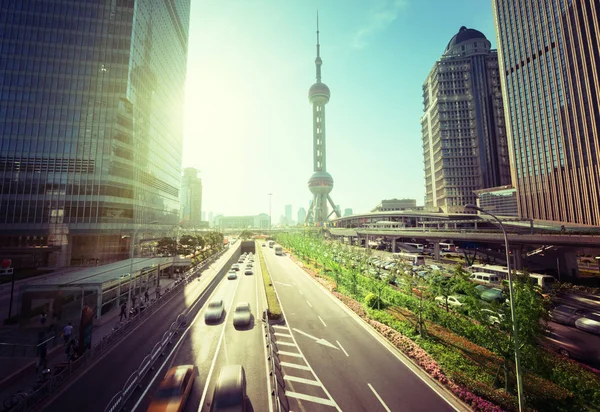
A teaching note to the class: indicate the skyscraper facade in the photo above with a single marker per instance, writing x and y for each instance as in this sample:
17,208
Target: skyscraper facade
288,215
464,139
301,215
347,212
190,198
550,60
91,98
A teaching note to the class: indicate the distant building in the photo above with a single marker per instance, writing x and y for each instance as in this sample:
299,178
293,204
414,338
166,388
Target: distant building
347,212
211,218
190,198
301,216
395,204
260,221
501,201
464,136
203,216
288,215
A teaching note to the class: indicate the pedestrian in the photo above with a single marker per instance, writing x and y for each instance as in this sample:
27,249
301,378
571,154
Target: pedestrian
70,351
43,317
42,351
158,292
146,295
123,311
67,331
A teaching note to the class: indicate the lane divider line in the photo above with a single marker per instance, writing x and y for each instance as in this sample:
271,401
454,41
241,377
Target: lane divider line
309,303
342,348
379,398
322,321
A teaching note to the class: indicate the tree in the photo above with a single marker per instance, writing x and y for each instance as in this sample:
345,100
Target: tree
377,286
187,244
246,234
166,246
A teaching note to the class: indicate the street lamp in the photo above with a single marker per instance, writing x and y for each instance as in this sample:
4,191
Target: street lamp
131,248
512,305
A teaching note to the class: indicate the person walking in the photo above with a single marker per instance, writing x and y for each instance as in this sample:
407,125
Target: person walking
123,311
43,317
67,331
158,292
146,295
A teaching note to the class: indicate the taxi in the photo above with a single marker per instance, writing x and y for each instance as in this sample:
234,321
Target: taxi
174,390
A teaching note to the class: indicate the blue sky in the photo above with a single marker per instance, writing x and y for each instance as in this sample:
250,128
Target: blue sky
248,120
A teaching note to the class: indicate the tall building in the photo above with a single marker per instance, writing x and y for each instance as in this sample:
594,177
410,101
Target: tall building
288,215
91,125
387,205
321,182
347,212
190,198
464,138
203,216
210,218
301,215
550,60
260,221
501,201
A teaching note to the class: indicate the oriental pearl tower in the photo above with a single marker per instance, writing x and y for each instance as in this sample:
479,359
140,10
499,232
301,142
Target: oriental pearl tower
321,182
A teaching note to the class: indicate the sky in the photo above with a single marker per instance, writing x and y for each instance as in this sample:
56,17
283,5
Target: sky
248,122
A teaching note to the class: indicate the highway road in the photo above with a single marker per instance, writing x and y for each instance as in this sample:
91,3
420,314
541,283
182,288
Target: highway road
212,346
93,390
329,360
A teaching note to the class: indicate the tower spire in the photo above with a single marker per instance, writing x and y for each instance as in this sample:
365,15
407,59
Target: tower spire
318,61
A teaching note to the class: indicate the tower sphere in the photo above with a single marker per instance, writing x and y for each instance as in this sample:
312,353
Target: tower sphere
319,91
320,182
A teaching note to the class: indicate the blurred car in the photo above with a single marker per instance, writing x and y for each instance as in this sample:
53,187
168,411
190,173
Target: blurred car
390,266
566,315
230,390
249,266
589,322
454,301
214,311
489,294
232,275
174,389
235,266
493,318
264,244
248,272
242,314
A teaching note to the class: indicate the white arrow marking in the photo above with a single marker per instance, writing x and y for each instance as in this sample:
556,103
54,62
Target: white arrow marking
321,341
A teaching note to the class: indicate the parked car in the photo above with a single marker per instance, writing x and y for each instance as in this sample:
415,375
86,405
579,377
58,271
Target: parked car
214,311
492,317
174,389
242,314
589,322
567,315
454,301
490,295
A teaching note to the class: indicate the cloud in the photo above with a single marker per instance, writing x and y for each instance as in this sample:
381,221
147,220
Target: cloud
379,17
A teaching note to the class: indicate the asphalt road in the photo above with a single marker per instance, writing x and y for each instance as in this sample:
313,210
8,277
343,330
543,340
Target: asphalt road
94,389
330,361
213,346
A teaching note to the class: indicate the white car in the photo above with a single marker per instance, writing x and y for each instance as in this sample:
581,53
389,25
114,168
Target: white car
589,322
492,317
232,275
454,301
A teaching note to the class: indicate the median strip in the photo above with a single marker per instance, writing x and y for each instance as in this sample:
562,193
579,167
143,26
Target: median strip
273,307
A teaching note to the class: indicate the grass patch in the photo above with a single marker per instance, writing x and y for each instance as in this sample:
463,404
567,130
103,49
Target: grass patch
273,308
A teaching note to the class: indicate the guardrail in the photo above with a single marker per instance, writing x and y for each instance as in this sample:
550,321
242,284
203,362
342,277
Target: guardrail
32,400
27,350
272,363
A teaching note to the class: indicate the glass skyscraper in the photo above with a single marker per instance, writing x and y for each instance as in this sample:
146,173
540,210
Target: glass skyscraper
464,138
91,99
550,59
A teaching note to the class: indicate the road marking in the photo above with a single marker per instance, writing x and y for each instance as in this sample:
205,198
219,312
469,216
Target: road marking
297,355
283,284
295,366
309,303
315,399
342,348
285,335
321,341
280,327
264,337
322,321
277,343
301,292
379,397
301,380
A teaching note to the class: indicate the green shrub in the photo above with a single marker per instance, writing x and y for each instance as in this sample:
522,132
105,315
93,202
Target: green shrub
371,300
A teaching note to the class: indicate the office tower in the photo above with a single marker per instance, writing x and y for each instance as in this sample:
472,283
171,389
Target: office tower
347,212
190,198
91,117
288,215
210,217
203,216
550,60
301,215
321,182
464,139
387,205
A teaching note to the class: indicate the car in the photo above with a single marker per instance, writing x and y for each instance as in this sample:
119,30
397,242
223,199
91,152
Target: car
174,389
248,271
235,266
390,266
264,245
589,322
232,275
490,295
566,315
230,390
214,311
434,267
248,265
454,301
492,317
242,314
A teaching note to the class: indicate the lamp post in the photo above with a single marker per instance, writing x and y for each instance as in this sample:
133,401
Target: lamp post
512,306
131,249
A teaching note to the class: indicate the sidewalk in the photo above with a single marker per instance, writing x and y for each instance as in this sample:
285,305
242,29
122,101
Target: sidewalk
19,373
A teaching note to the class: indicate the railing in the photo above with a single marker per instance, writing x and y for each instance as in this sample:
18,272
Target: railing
272,358
33,400
27,350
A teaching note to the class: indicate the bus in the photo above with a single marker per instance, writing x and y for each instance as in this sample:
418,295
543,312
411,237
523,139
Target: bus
413,258
278,250
417,246
447,247
545,282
